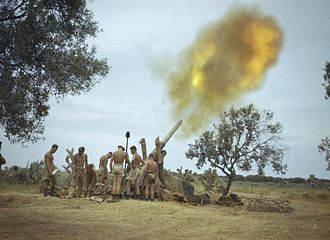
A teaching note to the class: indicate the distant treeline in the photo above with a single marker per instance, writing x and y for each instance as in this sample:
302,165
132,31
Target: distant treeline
34,171
253,178
258,178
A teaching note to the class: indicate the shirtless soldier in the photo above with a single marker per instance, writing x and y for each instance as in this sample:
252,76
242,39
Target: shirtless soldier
133,177
49,168
149,176
2,159
79,165
117,170
160,155
90,180
103,170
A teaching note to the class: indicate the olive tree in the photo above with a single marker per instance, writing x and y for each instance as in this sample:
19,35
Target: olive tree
324,146
326,78
242,138
44,53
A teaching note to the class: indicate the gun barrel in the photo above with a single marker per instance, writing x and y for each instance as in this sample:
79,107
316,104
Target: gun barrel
171,133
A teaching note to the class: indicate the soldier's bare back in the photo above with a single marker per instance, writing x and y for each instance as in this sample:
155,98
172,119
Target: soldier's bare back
119,157
103,161
152,166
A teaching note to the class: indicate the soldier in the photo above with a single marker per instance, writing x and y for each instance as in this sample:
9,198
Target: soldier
103,170
79,165
160,155
117,170
2,159
90,180
149,175
49,168
133,177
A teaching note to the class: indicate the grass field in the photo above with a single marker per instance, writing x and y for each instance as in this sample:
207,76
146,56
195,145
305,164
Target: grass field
25,214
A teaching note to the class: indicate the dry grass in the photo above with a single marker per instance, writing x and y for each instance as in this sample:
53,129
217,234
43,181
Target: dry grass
31,216
18,188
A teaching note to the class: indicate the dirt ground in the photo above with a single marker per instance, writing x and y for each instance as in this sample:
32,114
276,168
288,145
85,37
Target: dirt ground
31,216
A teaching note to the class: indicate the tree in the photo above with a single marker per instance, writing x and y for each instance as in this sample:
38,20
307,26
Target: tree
43,53
326,78
243,137
324,146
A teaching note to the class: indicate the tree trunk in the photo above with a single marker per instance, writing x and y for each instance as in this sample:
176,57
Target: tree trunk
227,188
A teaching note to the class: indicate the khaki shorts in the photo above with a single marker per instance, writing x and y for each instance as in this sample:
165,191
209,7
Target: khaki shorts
118,169
151,177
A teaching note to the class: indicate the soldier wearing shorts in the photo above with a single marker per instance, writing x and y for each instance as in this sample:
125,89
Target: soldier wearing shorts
49,179
103,170
79,165
117,170
134,175
149,175
90,181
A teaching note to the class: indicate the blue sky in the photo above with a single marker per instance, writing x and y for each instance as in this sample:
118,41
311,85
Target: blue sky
138,35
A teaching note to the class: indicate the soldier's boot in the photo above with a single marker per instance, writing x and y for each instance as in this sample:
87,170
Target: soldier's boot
84,191
127,193
45,192
114,198
79,193
52,191
90,193
117,198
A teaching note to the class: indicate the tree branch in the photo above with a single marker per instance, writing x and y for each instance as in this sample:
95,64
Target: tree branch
12,16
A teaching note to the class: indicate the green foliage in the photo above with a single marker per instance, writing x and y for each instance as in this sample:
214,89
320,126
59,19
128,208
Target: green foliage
68,160
209,178
43,53
63,179
33,173
36,172
185,176
326,78
243,137
324,147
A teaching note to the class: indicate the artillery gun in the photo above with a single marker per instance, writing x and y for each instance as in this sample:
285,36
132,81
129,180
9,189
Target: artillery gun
162,143
158,152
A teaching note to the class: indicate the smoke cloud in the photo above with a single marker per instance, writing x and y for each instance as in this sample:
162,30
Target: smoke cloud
228,58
